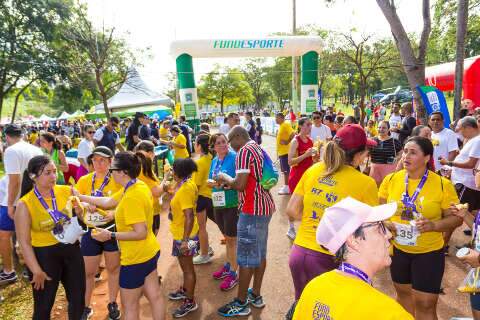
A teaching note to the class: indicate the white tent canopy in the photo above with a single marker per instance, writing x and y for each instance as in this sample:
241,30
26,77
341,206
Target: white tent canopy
134,93
65,115
44,117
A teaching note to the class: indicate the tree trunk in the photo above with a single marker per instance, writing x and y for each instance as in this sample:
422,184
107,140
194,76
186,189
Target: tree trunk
361,103
17,97
103,94
462,20
2,95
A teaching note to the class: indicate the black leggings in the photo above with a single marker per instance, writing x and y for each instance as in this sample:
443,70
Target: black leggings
62,263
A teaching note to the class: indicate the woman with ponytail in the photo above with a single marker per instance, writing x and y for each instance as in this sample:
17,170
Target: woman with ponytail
139,249
42,224
53,147
321,186
204,200
424,214
145,151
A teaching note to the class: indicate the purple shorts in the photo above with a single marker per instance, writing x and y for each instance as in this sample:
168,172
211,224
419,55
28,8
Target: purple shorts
306,264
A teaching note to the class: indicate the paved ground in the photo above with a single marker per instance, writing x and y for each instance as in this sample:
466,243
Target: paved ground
278,287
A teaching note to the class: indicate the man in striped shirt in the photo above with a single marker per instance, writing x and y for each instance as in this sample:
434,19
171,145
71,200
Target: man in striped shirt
256,207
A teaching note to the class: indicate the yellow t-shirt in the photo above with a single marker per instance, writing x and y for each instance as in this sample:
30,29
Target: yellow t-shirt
284,132
319,194
333,295
437,194
135,206
372,131
42,223
151,184
163,133
84,185
201,176
33,138
180,152
184,198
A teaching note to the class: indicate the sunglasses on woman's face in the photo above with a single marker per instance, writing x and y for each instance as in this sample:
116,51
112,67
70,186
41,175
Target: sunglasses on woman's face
91,132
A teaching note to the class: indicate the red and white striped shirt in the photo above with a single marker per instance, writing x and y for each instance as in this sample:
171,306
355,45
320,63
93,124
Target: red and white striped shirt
254,200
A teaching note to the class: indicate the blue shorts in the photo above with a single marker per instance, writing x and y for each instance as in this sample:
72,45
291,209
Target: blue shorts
475,301
156,223
252,236
176,252
91,247
133,276
6,223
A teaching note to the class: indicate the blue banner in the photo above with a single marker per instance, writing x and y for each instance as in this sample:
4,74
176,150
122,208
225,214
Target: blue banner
434,100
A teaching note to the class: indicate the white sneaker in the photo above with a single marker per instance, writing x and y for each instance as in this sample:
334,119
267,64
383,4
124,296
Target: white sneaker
291,234
201,259
284,190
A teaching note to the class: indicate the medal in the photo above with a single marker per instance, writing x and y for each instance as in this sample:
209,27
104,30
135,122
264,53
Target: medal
410,211
59,218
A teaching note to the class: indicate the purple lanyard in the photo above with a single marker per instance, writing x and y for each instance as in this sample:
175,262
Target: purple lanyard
410,201
99,192
56,215
476,224
129,184
181,183
354,271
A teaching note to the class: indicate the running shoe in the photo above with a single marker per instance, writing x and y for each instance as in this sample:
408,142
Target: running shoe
222,273
291,234
113,311
284,190
8,277
254,300
201,259
87,313
235,308
177,295
186,307
231,280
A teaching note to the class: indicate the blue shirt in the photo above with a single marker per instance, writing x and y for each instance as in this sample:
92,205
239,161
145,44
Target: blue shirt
226,166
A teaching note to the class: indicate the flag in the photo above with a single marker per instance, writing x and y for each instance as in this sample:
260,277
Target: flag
434,100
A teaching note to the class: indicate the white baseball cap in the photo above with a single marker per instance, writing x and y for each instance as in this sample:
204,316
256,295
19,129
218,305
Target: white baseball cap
342,219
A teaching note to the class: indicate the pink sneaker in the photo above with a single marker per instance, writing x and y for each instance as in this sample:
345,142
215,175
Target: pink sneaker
222,273
231,280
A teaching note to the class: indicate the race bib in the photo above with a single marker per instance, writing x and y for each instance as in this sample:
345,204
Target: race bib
406,234
72,231
218,198
95,219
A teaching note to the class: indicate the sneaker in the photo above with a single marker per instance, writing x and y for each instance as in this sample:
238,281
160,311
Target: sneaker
87,313
285,190
254,300
113,311
222,273
186,307
231,280
177,295
235,308
201,259
8,277
210,251
291,234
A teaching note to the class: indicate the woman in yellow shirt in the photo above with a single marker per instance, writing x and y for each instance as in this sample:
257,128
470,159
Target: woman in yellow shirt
145,151
184,229
204,200
320,187
424,200
139,249
179,143
98,184
40,225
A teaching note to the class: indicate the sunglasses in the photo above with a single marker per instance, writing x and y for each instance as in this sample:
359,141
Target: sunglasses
91,132
114,169
383,229
316,118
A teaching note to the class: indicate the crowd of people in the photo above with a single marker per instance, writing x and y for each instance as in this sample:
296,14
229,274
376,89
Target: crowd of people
353,192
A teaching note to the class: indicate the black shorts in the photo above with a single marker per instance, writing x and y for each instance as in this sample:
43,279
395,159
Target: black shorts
227,219
205,203
156,223
284,166
424,271
470,196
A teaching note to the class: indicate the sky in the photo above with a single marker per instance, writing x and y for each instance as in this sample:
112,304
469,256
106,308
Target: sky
155,24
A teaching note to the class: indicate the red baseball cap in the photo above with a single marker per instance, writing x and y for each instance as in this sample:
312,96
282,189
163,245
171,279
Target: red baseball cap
353,136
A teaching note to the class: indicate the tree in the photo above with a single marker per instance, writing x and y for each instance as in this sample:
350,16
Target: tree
256,77
89,53
413,64
462,20
279,78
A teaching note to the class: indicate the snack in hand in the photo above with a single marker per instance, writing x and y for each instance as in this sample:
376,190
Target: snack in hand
462,206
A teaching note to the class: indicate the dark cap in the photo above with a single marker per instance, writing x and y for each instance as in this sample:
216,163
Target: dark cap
12,130
103,151
352,136
176,129
140,115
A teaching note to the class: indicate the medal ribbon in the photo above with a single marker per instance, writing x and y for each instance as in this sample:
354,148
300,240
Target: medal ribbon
99,192
408,201
218,166
56,215
129,184
354,271
476,223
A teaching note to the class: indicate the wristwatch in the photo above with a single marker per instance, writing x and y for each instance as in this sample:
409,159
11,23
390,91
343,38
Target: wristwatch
113,236
450,163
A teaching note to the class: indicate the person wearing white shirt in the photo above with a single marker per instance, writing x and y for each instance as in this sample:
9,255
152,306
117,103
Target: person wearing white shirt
444,140
16,158
319,130
225,127
85,148
395,120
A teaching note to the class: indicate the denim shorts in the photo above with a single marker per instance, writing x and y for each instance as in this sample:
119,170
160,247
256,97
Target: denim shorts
133,276
6,223
252,235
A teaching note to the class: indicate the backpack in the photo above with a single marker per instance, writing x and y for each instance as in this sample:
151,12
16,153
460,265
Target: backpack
269,172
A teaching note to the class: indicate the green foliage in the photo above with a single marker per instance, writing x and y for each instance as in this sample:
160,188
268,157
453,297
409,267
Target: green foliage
279,78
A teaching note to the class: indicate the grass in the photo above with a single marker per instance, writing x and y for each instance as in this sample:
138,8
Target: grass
27,107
